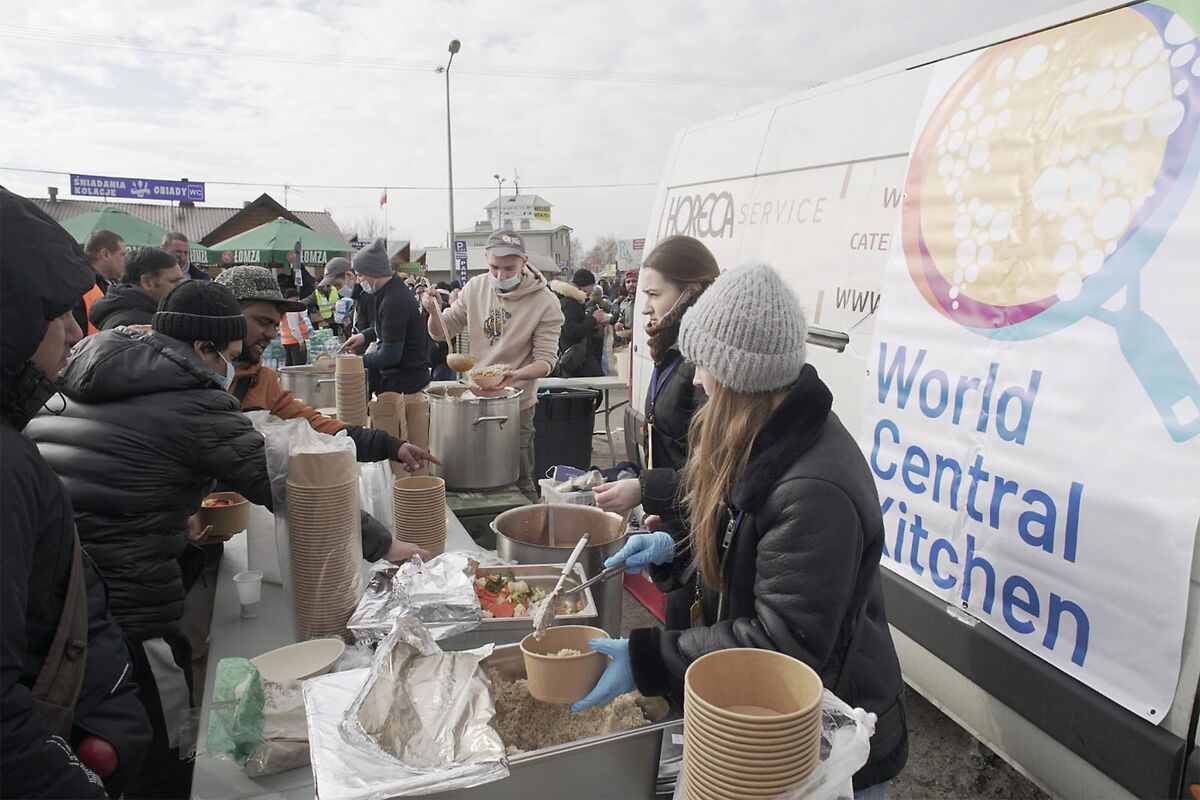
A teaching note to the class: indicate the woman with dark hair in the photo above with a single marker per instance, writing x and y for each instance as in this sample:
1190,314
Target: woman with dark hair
785,530
673,277
146,430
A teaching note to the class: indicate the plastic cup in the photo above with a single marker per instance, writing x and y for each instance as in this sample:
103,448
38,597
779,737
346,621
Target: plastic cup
249,589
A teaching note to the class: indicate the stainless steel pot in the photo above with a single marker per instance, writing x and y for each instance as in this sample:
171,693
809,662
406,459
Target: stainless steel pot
478,439
310,384
545,534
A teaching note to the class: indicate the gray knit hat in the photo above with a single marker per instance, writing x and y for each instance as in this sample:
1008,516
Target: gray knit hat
748,330
372,261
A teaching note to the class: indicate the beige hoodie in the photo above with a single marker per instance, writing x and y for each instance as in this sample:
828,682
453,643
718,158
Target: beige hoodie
514,328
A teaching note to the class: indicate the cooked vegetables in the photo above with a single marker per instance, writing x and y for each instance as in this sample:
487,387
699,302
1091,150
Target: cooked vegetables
502,595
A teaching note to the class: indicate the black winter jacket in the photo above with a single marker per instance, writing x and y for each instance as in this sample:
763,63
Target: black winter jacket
146,431
675,404
122,305
578,327
38,538
43,273
802,564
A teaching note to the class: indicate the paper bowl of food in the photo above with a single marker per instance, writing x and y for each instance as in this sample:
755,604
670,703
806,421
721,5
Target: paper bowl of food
489,377
299,661
227,512
560,667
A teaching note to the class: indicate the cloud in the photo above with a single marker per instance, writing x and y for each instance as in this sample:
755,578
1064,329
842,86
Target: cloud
214,99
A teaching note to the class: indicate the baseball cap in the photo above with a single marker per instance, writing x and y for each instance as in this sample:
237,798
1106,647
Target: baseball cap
505,242
256,283
335,267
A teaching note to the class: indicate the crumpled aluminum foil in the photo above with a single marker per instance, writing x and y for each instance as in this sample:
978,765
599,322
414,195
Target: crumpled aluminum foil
417,722
438,592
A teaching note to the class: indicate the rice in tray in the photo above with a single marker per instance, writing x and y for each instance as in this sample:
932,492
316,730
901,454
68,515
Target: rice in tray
526,724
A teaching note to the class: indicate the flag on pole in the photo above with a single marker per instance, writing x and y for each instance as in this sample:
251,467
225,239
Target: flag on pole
383,199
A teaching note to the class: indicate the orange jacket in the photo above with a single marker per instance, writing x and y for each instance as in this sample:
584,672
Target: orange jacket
93,294
303,328
266,392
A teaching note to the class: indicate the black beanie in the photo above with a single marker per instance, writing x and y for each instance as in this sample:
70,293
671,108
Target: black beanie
200,311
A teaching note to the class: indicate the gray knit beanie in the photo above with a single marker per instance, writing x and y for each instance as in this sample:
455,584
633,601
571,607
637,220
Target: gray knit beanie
372,261
748,330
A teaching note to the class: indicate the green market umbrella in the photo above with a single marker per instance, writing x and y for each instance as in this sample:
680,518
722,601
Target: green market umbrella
272,242
135,231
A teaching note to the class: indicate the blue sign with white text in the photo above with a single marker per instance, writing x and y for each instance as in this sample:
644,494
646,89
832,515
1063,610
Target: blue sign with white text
137,188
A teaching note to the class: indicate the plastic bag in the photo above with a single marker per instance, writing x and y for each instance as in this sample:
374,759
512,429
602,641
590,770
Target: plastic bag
260,725
845,745
283,438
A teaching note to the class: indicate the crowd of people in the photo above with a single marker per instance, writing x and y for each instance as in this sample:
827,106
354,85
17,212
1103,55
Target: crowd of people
125,382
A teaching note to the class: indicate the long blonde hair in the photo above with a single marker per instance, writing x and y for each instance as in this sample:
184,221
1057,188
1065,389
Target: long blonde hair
715,460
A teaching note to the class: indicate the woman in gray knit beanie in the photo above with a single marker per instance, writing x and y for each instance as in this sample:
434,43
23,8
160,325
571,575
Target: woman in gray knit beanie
785,530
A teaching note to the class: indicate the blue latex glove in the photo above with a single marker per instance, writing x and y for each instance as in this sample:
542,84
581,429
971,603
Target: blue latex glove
617,678
642,550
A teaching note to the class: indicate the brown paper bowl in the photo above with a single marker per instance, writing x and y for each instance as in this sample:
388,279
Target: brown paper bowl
322,470
348,364
715,719
226,520
781,765
563,680
706,781
733,745
750,677
431,485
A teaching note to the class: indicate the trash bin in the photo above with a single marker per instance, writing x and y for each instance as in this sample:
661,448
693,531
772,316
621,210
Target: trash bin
563,422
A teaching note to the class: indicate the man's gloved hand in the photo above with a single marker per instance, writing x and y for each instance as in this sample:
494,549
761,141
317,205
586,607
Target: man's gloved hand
617,678
642,550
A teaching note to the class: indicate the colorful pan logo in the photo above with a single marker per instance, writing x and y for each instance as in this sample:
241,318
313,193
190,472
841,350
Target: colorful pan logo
1047,177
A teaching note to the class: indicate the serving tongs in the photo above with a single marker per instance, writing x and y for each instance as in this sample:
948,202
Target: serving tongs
603,575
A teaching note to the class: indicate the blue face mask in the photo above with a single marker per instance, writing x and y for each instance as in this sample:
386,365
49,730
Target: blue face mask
227,378
346,291
368,288
506,285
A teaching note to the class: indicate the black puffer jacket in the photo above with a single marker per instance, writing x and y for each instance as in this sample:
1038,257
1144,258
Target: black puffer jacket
146,431
122,305
803,563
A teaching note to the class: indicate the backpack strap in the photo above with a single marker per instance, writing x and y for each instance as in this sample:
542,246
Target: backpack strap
60,680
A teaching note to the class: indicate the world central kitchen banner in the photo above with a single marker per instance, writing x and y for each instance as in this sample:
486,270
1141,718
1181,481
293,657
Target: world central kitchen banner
1033,413
137,188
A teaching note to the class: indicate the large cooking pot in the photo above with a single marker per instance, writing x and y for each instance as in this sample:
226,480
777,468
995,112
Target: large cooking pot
310,384
478,439
546,534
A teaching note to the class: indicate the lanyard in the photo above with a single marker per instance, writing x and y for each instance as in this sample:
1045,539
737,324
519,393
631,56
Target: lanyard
656,383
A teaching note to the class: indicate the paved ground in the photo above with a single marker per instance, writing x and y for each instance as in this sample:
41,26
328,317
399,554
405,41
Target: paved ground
945,762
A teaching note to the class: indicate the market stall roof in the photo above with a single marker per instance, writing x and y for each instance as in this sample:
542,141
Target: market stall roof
272,242
136,232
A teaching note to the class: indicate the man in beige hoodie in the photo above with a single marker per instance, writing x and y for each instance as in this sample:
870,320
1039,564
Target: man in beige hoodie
512,318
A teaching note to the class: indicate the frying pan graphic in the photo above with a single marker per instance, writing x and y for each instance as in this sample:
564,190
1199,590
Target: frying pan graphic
1047,177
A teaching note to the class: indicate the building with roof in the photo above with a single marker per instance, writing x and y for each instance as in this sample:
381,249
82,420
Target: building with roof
202,224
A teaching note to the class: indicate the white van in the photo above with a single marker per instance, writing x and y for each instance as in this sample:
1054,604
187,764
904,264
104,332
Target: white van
815,184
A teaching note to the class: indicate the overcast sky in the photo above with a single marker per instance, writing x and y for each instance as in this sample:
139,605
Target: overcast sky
345,93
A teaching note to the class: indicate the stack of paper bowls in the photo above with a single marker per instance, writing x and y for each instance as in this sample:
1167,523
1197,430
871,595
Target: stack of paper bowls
323,541
420,512
752,724
350,390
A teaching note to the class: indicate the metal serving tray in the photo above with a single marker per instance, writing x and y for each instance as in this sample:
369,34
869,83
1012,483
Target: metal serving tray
621,764
511,630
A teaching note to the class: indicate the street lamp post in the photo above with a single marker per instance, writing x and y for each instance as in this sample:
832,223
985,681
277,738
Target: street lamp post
455,46
499,200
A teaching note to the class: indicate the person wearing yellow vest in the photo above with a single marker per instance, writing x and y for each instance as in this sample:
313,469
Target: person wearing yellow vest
324,298
106,252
